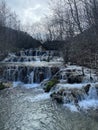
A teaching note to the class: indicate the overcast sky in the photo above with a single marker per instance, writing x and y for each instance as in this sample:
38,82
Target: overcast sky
29,11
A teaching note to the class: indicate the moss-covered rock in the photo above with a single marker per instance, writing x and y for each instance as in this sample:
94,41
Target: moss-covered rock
2,86
50,85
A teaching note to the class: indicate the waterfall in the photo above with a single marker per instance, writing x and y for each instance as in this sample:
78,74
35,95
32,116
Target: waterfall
93,93
31,55
48,75
31,78
28,66
27,74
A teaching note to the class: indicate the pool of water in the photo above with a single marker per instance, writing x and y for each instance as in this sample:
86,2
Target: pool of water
32,109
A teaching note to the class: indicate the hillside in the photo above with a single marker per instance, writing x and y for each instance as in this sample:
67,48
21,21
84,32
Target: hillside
54,45
13,40
83,48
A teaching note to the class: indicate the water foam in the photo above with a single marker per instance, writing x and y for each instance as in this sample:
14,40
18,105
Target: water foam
71,107
39,97
27,86
88,104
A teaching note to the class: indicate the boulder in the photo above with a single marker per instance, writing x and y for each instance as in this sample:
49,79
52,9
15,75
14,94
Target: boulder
67,95
2,86
75,79
68,72
57,97
61,92
54,70
1,71
86,88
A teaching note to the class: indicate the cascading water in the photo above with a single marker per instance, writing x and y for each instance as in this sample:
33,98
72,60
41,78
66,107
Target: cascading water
78,100
30,55
93,94
35,67
31,77
27,74
30,66
31,108
76,91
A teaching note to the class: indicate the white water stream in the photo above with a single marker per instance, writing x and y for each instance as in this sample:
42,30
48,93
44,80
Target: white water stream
32,109
26,106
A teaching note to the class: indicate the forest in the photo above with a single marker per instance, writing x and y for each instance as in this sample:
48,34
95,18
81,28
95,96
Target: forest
72,27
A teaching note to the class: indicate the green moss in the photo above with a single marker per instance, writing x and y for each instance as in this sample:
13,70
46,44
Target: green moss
50,85
2,86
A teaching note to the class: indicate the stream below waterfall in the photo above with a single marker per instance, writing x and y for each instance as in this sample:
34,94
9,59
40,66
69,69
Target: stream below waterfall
32,109
25,105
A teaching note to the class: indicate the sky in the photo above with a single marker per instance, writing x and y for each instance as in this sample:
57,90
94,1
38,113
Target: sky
29,11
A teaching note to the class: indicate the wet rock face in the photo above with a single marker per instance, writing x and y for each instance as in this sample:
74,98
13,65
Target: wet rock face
96,86
57,97
28,74
54,70
41,76
75,78
71,76
1,71
87,88
23,76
